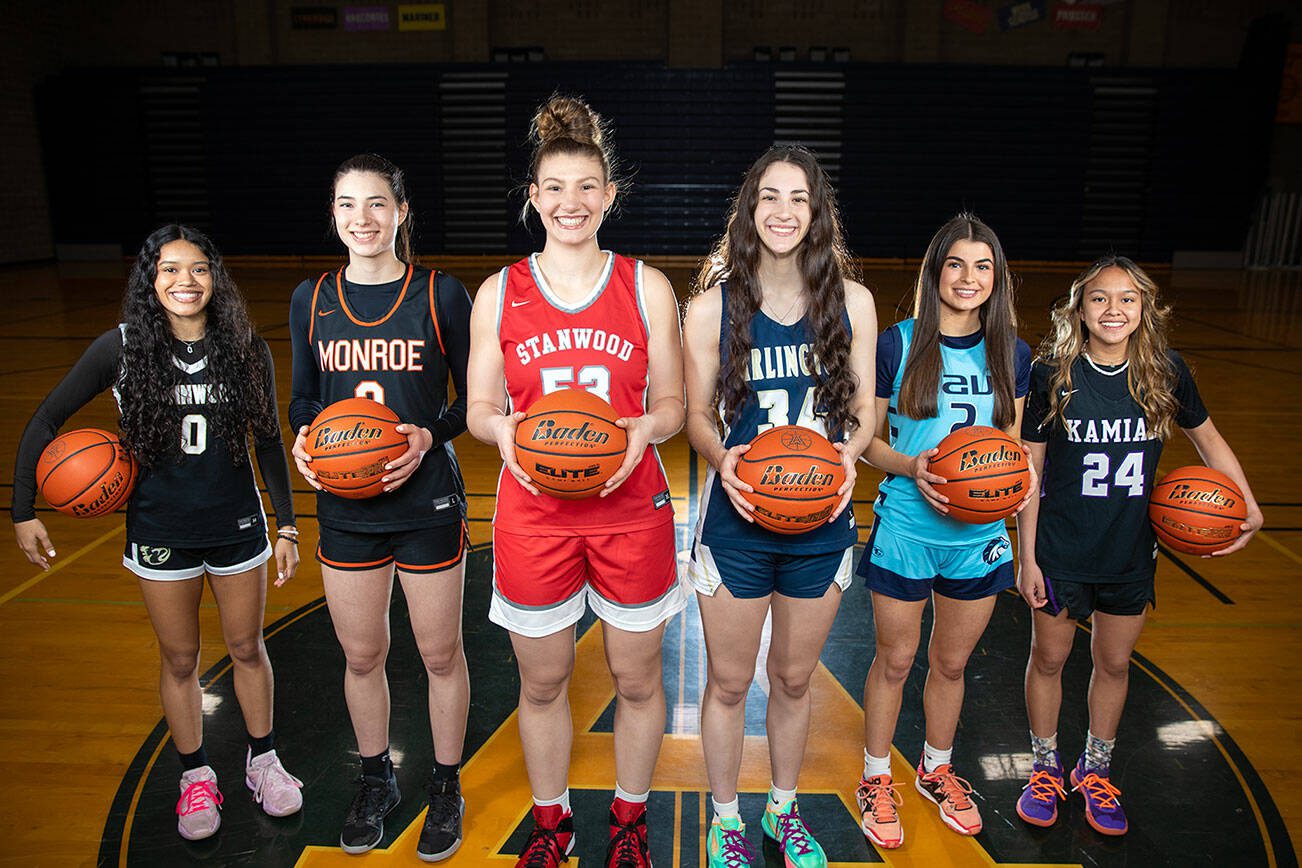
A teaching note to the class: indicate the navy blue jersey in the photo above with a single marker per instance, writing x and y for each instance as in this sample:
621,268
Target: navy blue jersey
395,343
966,397
782,394
1100,463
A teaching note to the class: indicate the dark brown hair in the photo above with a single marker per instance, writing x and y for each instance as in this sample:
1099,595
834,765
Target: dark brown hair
393,176
920,384
825,265
568,125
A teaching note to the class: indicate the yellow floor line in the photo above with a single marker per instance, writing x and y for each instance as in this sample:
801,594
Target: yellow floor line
1279,547
60,564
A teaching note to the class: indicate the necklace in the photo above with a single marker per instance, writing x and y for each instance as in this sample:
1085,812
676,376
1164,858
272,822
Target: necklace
782,320
189,345
1112,373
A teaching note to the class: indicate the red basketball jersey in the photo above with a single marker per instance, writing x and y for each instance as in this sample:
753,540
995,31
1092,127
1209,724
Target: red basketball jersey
598,344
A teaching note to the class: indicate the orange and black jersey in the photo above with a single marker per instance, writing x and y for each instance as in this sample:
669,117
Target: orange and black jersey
202,498
396,343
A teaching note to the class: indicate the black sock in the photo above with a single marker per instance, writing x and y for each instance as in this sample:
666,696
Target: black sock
446,773
378,766
259,746
194,760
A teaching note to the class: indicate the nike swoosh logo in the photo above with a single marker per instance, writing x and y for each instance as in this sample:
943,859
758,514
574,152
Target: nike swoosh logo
326,312
519,303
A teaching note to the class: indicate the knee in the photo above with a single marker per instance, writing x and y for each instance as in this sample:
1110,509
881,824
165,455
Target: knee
180,664
730,688
542,690
443,660
792,681
246,650
1048,661
365,659
638,688
1114,669
948,667
893,665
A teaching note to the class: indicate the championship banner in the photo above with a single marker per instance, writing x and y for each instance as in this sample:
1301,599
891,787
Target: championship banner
1077,16
968,14
422,16
1016,15
313,17
367,18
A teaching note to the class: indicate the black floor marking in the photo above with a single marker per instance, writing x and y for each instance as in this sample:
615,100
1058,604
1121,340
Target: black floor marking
1193,574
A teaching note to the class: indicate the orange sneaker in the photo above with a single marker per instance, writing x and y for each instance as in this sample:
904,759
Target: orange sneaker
950,794
878,799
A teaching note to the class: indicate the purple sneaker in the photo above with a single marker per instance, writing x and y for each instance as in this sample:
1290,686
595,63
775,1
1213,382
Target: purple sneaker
1038,804
1102,800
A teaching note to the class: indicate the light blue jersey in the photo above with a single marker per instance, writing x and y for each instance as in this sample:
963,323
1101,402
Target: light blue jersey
966,398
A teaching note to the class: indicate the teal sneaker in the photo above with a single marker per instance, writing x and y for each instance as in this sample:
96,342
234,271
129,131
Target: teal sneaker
727,846
799,849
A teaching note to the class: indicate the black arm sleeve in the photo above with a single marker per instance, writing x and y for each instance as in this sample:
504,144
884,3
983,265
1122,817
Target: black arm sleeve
454,326
1037,404
305,394
271,455
95,371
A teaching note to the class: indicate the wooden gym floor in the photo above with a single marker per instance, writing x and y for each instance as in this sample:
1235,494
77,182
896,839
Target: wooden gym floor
1208,748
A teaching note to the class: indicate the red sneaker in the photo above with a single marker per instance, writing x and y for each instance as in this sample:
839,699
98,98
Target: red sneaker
552,839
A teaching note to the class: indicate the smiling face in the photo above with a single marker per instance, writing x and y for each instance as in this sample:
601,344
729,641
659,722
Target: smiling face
782,210
183,284
1111,308
967,277
365,213
571,196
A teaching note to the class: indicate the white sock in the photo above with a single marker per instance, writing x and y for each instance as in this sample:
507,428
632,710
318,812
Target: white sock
779,797
933,758
624,795
563,800
875,765
723,810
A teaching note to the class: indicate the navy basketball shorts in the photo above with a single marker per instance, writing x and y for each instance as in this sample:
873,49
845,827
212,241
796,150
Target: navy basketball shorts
420,550
1082,599
173,564
749,574
907,569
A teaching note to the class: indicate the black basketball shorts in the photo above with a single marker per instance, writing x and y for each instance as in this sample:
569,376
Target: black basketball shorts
1082,599
171,563
422,550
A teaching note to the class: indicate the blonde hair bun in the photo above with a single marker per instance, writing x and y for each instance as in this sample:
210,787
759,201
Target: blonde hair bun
567,117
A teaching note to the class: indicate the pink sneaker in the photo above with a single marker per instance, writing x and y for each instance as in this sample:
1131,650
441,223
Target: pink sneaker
279,792
197,816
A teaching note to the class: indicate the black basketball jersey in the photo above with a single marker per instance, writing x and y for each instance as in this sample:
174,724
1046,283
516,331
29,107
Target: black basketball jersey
1099,471
398,356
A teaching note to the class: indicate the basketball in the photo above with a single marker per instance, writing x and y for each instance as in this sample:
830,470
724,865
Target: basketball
795,473
569,443
986,474
85,473
1197,510
350,442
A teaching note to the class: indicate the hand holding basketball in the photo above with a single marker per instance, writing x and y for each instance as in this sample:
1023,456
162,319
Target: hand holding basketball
35,542
846,491
1250,526
925,479
301,458
734,486
504,433
638,429
419,441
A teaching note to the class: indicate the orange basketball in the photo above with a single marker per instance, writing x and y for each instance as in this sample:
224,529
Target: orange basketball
1197,510
795,473
569,443
350,442
985,471
85,473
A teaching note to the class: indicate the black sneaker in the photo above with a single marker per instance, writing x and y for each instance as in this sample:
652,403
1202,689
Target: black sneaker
364,824
441,835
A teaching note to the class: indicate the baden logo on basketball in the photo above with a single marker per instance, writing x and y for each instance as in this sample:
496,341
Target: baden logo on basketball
1185,493
981,459
549,431
327,438
779,476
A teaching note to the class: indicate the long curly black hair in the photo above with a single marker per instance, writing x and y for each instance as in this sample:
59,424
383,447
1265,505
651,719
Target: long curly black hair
825,265
151,421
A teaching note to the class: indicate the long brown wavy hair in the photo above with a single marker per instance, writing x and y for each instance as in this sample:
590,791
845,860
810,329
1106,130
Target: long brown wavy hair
1150,376
920,384
825,265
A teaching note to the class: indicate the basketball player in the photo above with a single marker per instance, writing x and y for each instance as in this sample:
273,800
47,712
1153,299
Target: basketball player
777,287
1105,394
384,328
957,362
575,316
191,379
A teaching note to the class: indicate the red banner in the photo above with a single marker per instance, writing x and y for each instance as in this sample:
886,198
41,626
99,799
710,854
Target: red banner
969,15
1077,16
